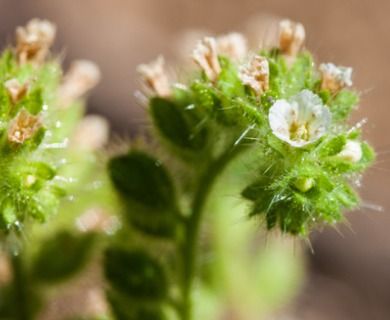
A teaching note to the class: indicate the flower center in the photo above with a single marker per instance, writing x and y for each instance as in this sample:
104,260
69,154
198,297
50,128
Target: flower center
299,131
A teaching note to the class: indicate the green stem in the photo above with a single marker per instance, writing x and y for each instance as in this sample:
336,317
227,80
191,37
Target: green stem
20,285
190,248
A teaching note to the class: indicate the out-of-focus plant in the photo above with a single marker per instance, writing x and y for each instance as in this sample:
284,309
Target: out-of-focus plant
46,153
276,110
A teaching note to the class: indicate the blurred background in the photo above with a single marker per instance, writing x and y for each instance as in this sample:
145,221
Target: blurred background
349,267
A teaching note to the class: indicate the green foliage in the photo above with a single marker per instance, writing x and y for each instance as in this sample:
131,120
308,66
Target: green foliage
342,104
126,309
138,283
303,162
71,252
136,274
28,165
147,191
179,126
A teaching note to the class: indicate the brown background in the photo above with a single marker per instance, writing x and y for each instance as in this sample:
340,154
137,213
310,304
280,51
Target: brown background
350,270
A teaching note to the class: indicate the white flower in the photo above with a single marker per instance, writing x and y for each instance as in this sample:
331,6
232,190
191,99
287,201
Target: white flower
352,151
34,40
291,38
206,56
233,45
154,77
255,74
301,120
334,77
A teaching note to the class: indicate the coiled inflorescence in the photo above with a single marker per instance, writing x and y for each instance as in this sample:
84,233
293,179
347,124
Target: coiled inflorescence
290,111
38,114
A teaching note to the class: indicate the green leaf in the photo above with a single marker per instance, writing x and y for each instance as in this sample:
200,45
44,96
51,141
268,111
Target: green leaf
62,256
179,125
135,274
126,309
148,192
33,102
143,179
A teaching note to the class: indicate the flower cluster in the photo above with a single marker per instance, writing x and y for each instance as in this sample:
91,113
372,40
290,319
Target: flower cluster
289,111
37,119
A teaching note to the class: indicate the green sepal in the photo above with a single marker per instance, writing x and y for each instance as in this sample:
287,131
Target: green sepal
135,274
180,125
325,96
228,82
9,212
43,170
62,256
205,98
45,203
300,76
342,104
7,63
331,146
33,103
33,143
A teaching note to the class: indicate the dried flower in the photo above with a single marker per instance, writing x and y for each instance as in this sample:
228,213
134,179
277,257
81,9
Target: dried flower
23,126
233,45
334,77
155,78
15,90
301,120
352,151
34,40
291,38
81,77
255,74
206,56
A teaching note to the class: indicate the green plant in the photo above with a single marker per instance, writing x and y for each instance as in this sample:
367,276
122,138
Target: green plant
40,119
272,119
275,110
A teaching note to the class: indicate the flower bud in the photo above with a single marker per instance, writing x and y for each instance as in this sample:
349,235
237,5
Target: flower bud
352,152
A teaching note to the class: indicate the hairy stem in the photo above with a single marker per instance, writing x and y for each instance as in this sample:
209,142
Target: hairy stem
190,245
